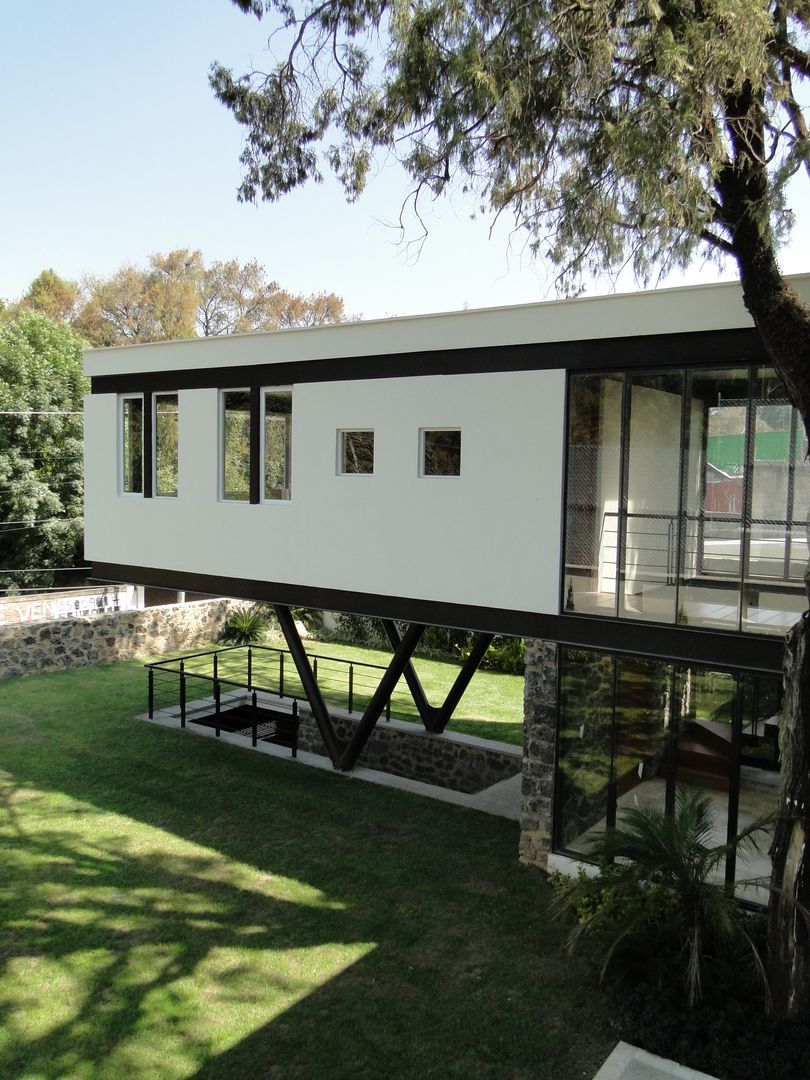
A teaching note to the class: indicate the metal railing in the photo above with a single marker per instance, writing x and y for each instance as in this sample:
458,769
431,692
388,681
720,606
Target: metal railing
180,682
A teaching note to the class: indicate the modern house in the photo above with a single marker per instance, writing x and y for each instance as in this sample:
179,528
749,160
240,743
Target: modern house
619,479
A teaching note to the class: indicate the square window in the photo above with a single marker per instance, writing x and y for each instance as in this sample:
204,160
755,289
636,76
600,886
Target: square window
441,452
356,452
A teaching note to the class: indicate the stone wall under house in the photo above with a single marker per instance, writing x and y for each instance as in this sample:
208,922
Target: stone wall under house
459,762
539,727
33,648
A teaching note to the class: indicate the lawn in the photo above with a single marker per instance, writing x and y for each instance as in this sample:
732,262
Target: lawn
491,708
173,907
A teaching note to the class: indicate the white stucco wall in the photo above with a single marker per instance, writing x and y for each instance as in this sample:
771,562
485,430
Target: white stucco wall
465,540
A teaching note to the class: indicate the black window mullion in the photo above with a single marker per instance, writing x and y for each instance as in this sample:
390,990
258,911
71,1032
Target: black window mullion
734,780
255,444
148,445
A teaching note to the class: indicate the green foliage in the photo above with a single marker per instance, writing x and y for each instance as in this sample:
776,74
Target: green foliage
614,131
654,908
41,477
247,626
178,296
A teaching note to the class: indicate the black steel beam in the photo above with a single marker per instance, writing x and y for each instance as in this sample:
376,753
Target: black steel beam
462,680
374,709
334,748
436,717
428,713
727,649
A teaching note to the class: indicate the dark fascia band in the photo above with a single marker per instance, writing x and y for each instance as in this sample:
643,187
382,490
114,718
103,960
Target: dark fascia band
729,650
705,348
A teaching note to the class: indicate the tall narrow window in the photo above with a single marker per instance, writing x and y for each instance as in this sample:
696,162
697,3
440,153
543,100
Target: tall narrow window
236,445
356,452
132,445
277,444
166,419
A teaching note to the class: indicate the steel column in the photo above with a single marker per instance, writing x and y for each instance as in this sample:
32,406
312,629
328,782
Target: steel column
374,709
319,710
436,717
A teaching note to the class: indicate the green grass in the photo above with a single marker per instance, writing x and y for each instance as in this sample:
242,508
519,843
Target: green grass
491,708
174,907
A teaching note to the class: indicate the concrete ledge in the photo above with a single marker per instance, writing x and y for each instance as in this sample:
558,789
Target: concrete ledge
631,1063
500,800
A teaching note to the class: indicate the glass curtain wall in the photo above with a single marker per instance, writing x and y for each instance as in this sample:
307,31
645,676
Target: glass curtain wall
687,499
632,731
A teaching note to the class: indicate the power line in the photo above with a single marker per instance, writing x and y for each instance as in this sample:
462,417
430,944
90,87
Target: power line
27,528
40,412
36,521
45,570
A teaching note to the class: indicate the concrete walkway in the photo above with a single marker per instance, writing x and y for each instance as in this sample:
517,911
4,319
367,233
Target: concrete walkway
501,800
630,1063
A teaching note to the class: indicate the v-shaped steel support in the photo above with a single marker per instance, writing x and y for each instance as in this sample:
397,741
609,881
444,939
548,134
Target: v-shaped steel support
436,717
334,747
393,673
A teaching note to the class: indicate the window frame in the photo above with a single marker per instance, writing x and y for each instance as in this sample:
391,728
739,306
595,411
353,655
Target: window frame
121,457
221,497
154,433
341,436
263,391
422,473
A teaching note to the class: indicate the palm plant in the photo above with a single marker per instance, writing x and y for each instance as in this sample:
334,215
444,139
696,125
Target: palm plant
654,907
245,626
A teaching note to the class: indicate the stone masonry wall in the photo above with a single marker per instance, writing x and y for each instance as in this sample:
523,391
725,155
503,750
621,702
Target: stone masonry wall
449,760
124,635
539,723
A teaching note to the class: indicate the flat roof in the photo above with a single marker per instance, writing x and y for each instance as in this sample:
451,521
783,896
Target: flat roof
684,309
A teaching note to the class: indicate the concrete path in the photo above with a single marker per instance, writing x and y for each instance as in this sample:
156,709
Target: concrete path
501,800
630,1063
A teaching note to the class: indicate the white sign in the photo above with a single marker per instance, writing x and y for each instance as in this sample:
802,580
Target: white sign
45,607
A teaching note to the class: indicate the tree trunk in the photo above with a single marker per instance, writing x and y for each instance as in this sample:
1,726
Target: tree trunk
783,322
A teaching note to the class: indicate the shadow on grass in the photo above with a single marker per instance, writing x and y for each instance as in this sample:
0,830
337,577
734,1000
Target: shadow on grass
174,907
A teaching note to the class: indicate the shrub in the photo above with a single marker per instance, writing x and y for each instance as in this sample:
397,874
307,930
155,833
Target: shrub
246,626
653,909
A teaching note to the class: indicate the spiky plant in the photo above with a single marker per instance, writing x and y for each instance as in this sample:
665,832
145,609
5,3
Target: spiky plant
245,626
654,906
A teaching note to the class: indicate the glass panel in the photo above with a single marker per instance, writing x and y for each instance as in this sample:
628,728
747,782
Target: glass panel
650,563
236,445
704,751
643,724
277,443
357,452
132,445
442,453
759,780
166,429
714,500
800,533
584,747
768,607
592,507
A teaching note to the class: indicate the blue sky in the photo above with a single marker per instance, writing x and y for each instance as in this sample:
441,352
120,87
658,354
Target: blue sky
113,147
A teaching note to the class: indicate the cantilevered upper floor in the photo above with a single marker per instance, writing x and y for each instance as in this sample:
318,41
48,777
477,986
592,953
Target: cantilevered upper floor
551,469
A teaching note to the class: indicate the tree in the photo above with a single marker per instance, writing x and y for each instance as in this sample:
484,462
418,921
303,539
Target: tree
615,131
178,296
41,479
52,295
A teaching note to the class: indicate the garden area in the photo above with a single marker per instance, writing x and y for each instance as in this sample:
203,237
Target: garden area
347,675
174,907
